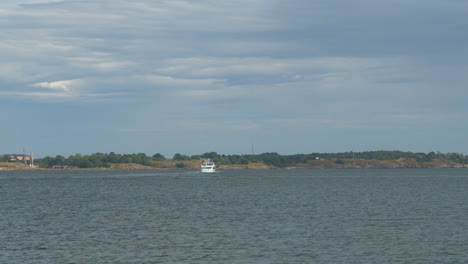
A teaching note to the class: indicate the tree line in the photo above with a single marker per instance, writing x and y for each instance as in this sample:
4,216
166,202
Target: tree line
104,160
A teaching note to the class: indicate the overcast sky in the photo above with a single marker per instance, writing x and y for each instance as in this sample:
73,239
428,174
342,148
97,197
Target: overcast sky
195,76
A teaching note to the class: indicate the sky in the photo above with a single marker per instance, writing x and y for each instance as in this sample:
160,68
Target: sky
196,76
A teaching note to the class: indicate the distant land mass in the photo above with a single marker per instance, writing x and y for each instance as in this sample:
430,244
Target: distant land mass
359,160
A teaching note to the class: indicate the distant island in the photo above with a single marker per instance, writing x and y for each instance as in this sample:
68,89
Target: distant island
368,159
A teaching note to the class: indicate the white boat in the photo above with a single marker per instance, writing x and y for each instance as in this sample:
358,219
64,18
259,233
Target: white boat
207,165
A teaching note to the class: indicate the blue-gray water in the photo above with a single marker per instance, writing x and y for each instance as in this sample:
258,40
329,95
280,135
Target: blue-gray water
240,216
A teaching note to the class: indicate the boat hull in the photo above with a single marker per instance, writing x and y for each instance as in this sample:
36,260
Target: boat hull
207,166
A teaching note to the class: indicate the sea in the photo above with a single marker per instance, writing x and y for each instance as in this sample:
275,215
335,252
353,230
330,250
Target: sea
235,216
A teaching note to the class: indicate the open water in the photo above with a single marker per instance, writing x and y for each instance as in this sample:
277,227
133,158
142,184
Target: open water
238,216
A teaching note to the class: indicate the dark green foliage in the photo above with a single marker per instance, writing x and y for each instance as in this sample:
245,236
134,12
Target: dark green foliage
5,158
96,160
274,159
47,162
210,155
158,156
180,165
195,157
100,160
179,156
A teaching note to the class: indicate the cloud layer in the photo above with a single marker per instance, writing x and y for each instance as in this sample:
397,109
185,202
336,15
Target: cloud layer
260,69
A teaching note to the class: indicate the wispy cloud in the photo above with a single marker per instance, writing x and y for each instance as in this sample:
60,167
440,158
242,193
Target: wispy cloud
60,97
64,91
173,81
64,86
99,61
141,130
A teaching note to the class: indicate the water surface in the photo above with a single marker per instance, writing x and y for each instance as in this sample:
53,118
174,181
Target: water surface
234,216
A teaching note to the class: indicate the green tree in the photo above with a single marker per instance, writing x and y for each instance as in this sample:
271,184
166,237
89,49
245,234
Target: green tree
195,157
179,156
142,159
158,157
126,158
76,160
46,162
210,155
113,158
6,158
60,160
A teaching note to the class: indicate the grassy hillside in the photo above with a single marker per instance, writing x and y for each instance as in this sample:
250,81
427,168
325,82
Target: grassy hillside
13,166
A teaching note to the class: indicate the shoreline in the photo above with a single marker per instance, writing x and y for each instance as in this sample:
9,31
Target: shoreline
233,168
